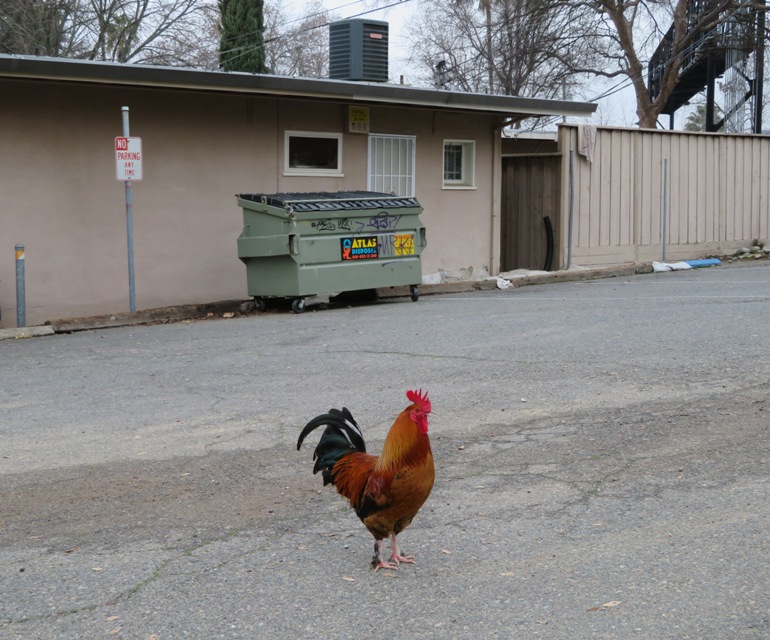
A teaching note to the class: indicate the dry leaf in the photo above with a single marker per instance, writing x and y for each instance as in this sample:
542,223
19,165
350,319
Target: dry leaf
229,314
111,618
605,606
507,573
446,551
96,569
348,578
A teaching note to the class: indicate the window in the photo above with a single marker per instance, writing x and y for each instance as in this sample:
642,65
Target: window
459,161
391,164
312,154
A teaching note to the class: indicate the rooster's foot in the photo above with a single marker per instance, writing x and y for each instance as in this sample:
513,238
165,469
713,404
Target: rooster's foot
378,562
395,552
398,558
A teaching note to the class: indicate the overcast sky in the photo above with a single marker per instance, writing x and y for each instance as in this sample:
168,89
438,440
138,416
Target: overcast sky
619,109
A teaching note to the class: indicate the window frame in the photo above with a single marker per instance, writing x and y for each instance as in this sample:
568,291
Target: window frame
371,161
468,160
288,170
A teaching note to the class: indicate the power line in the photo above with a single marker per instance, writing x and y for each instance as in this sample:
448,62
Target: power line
313,27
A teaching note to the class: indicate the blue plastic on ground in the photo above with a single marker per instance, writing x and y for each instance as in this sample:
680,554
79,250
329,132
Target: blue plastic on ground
706,262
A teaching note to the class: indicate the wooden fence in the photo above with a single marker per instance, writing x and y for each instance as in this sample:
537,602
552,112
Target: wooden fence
718,194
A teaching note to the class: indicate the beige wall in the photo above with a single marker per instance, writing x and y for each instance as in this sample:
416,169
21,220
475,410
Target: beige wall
718,195
59,195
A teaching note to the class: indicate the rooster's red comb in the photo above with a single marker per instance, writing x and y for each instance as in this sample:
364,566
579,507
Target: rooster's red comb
419,399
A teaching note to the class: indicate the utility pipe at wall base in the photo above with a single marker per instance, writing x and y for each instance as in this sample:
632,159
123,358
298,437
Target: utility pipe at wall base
497,191
665,206
571,208
21,294
548,243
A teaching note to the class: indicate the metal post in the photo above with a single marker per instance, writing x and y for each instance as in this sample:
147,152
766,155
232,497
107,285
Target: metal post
759,81
665,206
129,225
571,208
21,302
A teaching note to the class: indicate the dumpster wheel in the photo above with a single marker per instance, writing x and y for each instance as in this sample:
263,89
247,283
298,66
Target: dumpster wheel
261,304
298,305
414,293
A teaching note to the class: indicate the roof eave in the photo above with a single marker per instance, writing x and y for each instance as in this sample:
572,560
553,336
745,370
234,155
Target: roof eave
88,71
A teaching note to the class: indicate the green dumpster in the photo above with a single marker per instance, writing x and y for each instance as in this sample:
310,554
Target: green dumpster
296,245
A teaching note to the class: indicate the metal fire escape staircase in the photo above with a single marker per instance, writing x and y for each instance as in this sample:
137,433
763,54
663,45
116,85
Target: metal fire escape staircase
738,33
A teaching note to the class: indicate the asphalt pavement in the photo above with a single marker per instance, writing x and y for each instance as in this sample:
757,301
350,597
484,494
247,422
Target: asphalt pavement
601,450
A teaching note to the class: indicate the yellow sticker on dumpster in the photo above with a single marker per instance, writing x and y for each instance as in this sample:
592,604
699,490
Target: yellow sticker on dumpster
404,245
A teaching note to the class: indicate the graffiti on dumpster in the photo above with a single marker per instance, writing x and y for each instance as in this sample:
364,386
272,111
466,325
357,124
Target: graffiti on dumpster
328,224
383,220
324,225
380,222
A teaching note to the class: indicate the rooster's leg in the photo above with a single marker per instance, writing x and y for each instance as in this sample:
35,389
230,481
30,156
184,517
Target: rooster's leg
395,552
378,562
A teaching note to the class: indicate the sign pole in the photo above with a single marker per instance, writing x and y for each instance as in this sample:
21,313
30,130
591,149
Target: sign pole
129,226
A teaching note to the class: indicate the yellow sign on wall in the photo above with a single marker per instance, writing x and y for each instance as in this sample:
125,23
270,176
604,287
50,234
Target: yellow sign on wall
358,119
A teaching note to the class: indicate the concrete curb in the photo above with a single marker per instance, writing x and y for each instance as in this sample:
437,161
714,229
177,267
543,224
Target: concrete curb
147,316
197,311
575,275
26,332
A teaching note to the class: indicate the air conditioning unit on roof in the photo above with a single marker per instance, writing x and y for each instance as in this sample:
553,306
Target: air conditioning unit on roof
358,50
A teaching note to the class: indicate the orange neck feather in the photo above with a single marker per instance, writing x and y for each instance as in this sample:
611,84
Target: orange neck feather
404,444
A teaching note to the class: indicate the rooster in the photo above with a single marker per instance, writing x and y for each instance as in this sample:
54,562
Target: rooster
388,490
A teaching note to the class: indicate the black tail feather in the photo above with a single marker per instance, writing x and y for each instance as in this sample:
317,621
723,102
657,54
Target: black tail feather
341,436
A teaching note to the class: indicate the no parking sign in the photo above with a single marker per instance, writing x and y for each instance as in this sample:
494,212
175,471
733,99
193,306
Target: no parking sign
128,159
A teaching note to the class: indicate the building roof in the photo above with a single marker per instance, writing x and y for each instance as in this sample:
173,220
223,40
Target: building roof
176,78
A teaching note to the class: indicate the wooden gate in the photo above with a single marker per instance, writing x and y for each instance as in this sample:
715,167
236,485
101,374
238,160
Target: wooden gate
530,193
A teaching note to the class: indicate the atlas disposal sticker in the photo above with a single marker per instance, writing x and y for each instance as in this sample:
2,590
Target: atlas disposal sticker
359,248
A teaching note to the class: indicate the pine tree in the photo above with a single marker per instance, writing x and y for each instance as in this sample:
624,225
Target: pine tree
241,45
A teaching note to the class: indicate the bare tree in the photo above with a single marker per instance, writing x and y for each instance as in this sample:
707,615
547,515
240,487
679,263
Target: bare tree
626,33
160,31
298,47
194,44
41,27
534,47
499,46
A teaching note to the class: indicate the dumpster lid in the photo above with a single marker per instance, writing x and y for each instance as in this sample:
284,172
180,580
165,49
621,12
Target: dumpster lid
325,201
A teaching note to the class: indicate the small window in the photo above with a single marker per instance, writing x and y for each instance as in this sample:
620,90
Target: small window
459,161
391,164
312,154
